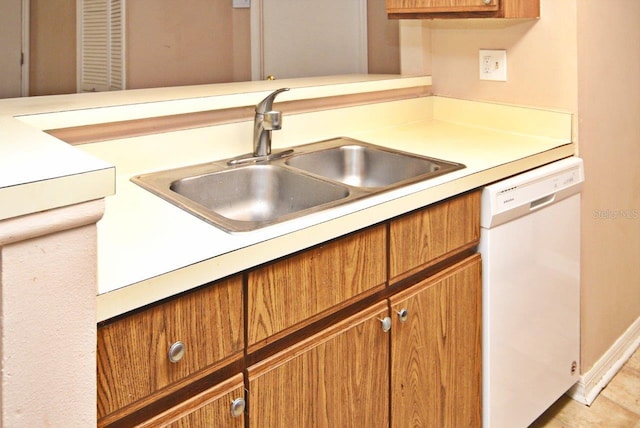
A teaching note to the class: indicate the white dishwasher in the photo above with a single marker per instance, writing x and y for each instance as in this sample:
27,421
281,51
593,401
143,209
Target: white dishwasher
530,245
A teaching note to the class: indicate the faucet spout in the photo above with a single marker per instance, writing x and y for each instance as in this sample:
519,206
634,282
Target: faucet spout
265,121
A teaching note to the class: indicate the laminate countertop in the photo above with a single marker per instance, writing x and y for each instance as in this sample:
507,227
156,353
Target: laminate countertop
149,249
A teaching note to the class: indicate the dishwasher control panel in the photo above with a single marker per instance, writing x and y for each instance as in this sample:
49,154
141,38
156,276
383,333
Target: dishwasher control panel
532,190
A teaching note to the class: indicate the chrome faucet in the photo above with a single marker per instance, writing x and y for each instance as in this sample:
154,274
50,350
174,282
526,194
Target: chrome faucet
265,121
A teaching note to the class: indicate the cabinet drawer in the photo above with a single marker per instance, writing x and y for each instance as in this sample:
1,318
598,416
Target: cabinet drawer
425,237
214,407
133,351
296,290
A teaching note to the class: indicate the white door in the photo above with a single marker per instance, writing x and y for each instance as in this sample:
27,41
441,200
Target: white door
299,38
12,34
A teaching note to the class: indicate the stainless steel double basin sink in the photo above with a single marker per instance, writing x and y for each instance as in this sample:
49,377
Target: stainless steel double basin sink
245,196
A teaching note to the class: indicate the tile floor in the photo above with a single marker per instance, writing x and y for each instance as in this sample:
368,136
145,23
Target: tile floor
617,406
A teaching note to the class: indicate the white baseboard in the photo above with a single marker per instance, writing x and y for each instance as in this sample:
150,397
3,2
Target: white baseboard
592,382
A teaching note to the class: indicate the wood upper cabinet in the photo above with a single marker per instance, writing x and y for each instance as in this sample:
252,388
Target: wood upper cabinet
221,406
425,237
395,6
133,356
436,357
336,378
299,289
430,9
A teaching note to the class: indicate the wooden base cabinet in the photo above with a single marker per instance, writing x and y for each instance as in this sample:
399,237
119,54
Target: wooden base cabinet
336,378
436,356
378,328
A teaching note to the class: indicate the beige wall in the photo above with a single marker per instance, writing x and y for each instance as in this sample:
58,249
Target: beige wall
581,56
52,68
10,48
173,42
609,120
541,57
383,39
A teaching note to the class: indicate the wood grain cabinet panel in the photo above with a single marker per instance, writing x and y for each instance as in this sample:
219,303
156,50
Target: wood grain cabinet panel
133,360
337,378
434,9
211,408
394,6
300,288
424,237
436,353
424,371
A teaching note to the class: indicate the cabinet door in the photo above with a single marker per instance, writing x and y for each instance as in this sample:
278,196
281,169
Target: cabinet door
426,6
221,406
133,359
299,289
336,378
427,236
436,358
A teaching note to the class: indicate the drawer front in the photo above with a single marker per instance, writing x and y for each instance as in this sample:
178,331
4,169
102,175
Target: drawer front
221,406
293,291
425,237
133,358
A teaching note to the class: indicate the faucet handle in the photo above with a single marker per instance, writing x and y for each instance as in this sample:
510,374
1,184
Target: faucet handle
266,105
272,120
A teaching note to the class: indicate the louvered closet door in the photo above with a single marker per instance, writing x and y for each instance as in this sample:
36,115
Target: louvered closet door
101,45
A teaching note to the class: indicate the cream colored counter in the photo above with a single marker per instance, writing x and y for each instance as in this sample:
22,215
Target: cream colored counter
149,249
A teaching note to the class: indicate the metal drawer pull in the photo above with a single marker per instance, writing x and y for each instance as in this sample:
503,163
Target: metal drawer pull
237,407
176,352
386,324
403,314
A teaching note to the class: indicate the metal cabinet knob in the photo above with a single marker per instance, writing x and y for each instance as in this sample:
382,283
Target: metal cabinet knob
403,314
176,352
237,407
386,324
487,2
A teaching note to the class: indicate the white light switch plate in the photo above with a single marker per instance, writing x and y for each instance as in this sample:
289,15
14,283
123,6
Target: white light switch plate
493,64
240,4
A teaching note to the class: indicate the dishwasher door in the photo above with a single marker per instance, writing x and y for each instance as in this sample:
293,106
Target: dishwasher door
530,244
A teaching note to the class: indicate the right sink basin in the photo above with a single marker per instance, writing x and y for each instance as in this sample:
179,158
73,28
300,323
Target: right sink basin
360,164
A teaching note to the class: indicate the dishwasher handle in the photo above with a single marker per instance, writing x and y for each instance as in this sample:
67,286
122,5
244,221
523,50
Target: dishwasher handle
542,202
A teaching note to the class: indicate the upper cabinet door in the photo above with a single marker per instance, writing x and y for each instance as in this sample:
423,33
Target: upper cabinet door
425,6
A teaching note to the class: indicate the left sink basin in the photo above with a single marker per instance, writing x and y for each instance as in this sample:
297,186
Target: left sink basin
244,198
